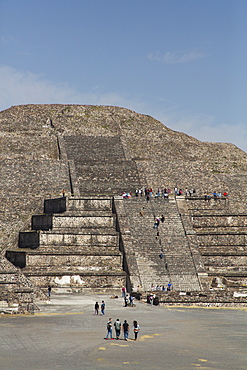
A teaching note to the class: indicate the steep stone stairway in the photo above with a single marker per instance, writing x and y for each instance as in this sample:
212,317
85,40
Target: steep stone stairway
222,241
74,249
177,265
101,165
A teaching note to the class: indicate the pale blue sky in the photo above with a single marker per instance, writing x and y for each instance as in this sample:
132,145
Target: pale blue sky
181,61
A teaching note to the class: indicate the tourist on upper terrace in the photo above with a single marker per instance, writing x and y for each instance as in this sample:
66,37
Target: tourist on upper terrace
161,255
162,218
126,195
156,224
175,191
169,286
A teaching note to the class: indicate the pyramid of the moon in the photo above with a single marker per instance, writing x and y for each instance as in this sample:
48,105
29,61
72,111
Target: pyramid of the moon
64,221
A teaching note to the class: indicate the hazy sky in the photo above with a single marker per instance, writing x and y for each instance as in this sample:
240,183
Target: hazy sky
184,62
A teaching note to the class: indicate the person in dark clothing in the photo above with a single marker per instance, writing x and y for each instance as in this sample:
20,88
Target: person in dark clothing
49,290
126,330
102,308
96,308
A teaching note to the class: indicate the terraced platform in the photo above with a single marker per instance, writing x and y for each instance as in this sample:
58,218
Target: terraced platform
81,250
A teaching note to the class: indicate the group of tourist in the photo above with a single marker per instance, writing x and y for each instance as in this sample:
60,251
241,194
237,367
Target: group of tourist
125,329
163,288
102,307
128,300
164,192
216,195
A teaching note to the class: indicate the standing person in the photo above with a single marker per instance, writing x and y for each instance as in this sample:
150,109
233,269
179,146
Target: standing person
96,308
123,291
131,299
117,325
126,330
102,308
49,290
109,328
136,328
169,286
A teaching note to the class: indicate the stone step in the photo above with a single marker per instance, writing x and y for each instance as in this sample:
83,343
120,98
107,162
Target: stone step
82,262
177,254
48,238
98,204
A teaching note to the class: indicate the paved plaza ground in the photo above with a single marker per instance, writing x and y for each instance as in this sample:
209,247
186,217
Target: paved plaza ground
65,334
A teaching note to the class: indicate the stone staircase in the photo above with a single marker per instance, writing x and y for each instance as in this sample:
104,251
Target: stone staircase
74,250
101,165
221,234
143,246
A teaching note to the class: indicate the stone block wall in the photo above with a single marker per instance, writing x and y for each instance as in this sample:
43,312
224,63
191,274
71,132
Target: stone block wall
82,222
79,283
56,239
71,262
87,204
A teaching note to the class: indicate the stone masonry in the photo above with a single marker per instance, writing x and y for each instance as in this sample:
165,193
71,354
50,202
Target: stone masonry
95,151
79,252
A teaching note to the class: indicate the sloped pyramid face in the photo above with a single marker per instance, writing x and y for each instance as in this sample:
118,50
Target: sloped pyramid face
105,151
